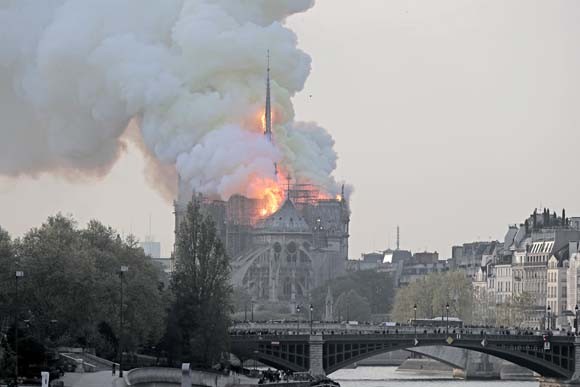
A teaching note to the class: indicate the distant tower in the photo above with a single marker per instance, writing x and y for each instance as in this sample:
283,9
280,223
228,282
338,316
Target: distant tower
398,238
268,111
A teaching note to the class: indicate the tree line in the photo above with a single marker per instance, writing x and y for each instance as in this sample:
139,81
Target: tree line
355,296
431,294
70,292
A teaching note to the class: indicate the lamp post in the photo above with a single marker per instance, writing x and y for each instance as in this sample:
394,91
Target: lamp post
415,318
298,312
123,270
311,310
245,312
50,335
549,309
19,274
576,325
447,309
252,310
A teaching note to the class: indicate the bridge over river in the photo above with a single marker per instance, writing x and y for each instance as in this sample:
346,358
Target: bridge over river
325,348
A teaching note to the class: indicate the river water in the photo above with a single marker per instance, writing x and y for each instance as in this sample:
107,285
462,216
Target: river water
390,377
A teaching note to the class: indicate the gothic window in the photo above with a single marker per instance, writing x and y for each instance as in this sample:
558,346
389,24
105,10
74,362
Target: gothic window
299,286
287,287
291,248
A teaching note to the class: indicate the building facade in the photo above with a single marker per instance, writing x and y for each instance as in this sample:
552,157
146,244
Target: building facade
527,275
557,292
279,259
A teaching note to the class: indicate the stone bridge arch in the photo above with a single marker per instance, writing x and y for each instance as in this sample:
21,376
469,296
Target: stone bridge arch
528,352
330,353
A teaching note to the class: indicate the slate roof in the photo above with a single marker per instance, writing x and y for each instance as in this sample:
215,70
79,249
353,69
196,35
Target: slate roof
286,219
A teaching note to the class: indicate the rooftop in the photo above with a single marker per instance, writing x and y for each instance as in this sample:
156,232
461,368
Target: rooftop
286,219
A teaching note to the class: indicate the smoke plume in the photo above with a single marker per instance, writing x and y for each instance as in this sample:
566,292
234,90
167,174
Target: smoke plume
190,73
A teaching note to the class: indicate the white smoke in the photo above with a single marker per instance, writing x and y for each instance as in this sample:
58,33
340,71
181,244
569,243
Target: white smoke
74,73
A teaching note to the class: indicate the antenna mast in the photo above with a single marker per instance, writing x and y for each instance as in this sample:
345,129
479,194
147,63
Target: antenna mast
398,238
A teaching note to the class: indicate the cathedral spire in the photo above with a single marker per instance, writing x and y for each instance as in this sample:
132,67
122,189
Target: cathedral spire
268,111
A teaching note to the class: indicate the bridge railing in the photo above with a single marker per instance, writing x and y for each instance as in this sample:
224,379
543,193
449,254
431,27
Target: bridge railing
328,329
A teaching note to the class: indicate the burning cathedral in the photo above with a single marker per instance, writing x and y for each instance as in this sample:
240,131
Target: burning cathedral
280,249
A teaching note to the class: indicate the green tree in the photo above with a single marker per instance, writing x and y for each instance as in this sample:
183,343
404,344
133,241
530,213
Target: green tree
241,302
522,304
375,287
144,300
7,265
432,294
70,290
201,289
352,306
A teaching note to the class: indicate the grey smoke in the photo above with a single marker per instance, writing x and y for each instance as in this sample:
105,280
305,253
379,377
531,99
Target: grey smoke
74,73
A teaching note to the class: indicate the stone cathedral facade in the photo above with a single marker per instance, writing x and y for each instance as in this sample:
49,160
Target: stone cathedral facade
281,258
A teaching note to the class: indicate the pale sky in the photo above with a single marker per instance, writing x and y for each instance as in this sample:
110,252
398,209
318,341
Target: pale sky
451,119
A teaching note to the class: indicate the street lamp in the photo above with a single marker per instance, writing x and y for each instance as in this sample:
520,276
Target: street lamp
123,270
51,332
415,319
19,274
447,309
298,312
576,325
311,310
549,309
252,310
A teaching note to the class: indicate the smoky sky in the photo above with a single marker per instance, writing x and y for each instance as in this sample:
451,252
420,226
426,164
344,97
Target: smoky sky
451,119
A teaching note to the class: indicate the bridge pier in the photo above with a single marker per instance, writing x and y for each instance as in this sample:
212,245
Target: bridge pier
554,356
466,364
316,343
576,376
575,379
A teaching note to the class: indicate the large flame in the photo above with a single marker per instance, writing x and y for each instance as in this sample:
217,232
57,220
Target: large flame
269,193
272,199
263,121
260,120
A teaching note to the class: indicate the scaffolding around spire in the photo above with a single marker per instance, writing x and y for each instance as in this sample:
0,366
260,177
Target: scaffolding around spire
268,110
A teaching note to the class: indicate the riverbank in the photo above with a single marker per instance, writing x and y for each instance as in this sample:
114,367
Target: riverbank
390,377
280,384
425,366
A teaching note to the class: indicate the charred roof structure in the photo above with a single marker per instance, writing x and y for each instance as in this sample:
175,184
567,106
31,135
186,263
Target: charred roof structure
280,254
280,258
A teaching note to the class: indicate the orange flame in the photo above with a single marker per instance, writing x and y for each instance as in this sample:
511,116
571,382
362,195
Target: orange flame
260,120
263,120
269,193
272,199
